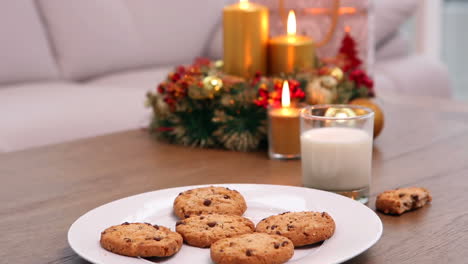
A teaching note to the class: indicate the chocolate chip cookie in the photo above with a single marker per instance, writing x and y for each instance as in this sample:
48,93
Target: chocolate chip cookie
255,248
141,239
209,200
203,230
303,228
402,200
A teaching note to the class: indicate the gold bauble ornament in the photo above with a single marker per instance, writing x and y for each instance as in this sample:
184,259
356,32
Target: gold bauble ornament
340,112
378,113
337,73
328,81
321,90
211,86
219,64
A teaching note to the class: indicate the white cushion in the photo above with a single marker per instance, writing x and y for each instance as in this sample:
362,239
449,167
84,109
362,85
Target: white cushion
46,113
175,31
24,50
413,75
97,37
92,37
396,46
139,79
389,15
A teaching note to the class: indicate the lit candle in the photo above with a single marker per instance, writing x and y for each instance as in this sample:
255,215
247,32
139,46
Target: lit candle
284,142
245,38
290,52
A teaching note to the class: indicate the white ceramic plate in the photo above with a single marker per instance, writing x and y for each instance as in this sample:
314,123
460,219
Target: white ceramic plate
357,227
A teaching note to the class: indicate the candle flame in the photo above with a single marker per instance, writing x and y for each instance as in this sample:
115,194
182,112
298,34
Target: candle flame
244,4
347,29
285,97
291,27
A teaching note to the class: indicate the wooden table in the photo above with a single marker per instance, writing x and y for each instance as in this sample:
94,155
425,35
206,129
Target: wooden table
424,143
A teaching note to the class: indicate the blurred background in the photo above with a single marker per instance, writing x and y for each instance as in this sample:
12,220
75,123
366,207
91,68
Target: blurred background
58,56
450,41
455,43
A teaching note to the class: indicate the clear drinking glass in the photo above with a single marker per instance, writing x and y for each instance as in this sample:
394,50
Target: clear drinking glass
336,149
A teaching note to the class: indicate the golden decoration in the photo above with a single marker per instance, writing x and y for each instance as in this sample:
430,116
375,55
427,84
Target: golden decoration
340,112
245,38
378,113
219,64
321,90
211,86
328,82
337,73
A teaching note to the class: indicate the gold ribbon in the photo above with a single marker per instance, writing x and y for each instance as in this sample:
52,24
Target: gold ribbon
334,15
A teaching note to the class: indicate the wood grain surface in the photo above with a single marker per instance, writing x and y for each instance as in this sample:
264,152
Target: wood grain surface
424,143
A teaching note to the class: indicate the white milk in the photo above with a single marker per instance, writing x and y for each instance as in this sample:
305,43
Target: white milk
336,158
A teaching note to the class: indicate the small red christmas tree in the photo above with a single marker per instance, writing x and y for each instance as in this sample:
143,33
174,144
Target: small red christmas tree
348,52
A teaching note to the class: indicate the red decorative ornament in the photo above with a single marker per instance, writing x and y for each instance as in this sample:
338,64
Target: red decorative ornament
180,69
161,88
361,78
202,62
295,92
348,53
257,78
174,77
263,96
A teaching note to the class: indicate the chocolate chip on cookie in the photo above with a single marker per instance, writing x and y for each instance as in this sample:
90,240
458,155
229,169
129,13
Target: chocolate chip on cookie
141,239
252,248
402,200
209,200
302,228
202,231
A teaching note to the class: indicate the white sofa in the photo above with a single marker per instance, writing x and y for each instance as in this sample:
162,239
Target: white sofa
72,69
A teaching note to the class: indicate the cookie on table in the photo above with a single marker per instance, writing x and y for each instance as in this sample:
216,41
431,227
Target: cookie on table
209,200
252,248
302,228
141,239
402,200
204,230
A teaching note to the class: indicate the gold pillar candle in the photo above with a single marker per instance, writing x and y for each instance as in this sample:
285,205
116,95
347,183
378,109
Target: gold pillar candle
290,52
245,28
284,130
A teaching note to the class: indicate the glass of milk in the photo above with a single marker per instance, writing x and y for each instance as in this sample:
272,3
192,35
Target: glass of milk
336,149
